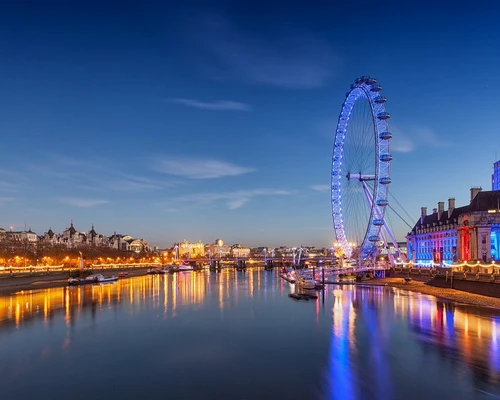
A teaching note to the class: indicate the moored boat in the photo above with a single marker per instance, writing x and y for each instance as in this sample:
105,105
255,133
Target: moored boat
185,267
95,278
78,281
102,279
305,282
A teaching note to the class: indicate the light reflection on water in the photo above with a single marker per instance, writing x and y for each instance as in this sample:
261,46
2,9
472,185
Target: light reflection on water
238,335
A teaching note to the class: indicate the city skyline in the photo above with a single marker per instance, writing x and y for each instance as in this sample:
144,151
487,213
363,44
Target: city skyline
200,121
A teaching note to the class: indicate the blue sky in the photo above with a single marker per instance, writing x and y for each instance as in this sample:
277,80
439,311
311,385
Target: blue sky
199,120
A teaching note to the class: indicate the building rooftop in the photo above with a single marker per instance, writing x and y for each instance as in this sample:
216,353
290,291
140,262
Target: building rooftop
483,201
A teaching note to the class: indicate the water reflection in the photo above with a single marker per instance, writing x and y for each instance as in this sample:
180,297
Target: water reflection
351,343
367,344
168,292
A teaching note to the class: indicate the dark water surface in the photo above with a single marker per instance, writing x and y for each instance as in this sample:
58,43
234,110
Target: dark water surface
235,335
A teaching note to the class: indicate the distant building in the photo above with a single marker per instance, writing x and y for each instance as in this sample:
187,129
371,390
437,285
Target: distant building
391,249
21,236
467,233
239,251
219,249
120,242
191,250
139,245
495,177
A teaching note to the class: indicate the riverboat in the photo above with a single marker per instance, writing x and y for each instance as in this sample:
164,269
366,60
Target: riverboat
103,279
185,267
96,278
305,282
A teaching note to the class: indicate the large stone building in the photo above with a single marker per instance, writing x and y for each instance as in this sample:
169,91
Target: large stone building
219,249
191,250
238,251
71,238
28,236
455,235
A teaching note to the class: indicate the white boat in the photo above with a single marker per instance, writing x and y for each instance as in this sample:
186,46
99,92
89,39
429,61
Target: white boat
95,278
102,279
185,267
82,281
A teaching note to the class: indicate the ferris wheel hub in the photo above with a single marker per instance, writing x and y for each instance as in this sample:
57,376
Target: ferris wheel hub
360,177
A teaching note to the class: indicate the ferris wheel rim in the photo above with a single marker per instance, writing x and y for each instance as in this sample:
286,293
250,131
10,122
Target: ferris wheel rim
363,87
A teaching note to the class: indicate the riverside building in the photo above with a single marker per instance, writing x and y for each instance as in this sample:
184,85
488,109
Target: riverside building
456,235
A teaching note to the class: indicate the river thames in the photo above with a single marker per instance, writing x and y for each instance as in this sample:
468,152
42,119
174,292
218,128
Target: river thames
237,335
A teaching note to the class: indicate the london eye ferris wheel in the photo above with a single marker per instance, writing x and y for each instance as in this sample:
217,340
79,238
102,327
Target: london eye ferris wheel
360,175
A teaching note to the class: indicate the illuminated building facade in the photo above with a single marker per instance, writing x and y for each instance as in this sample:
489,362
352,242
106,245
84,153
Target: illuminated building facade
191,250
240,251
495,177
397,252
468,233
139,245
219,249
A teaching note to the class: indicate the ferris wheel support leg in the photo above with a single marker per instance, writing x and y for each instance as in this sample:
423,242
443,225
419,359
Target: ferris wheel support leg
386,230
393,240
369,199
389,255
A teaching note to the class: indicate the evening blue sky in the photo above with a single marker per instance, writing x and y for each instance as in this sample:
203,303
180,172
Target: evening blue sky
198,120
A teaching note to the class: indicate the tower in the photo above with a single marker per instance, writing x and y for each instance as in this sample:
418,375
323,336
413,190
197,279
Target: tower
495,177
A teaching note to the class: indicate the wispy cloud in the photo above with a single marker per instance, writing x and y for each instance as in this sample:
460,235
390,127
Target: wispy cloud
193,168
133,183
219,105
83,203
233,200
284,59
8,186
321,188
4,200
413,137
93,176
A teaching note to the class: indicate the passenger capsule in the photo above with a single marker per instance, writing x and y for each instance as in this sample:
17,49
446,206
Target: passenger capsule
357,81
378,222
385,157
373,238
380,99
385,180
382,202
383,115
376,88
371,81
385,135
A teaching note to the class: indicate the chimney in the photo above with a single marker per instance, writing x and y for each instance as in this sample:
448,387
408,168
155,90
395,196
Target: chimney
474,191
451,206
423,214
440,209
